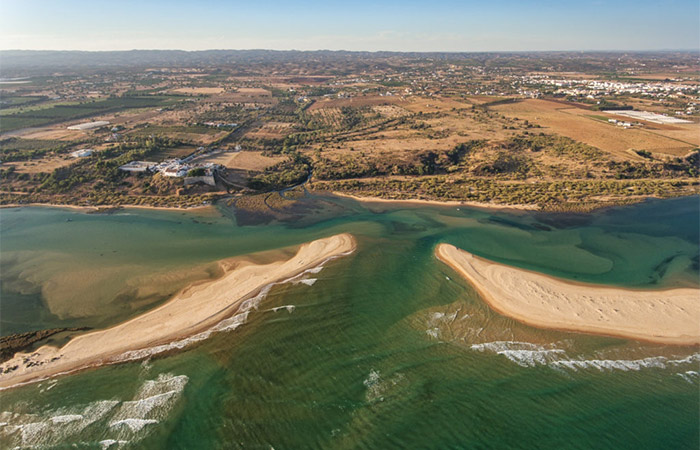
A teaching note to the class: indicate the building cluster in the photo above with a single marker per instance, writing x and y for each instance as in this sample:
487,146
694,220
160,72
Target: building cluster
620,123
595,88
692,108
220,125
649,117
177,168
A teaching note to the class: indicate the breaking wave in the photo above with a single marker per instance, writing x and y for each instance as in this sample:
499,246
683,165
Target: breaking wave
691,376
522,353
526,354
114,422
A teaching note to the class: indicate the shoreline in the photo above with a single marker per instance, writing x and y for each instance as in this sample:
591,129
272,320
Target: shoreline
195,309
670,316
490,206
107,207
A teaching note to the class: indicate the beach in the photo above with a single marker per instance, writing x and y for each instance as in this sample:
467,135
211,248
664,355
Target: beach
193,310
490,206
97,208
669,316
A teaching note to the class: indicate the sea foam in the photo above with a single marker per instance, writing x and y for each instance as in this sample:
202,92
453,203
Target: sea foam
126,419
524,354
527,354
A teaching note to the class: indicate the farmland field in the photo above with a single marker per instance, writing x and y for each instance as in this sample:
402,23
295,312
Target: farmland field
61,113
574,123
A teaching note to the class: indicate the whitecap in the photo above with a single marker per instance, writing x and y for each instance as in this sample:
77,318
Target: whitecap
108,443
26,430
658,362
133,424
524,354
529,355
151,404
690,376
66,418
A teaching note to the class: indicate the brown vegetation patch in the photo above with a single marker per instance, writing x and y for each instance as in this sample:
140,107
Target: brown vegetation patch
355,102
271,130
43,165
252,161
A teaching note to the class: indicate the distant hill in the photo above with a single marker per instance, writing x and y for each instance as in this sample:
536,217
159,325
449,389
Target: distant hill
32,62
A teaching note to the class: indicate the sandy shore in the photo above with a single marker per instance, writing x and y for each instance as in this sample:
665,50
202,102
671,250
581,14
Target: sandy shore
193,310
436,202
97,208
664,316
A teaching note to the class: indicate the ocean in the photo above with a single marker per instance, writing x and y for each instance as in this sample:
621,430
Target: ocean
385,348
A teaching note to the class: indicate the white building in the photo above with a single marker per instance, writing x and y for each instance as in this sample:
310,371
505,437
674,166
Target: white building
88,125
138,166
82,153
174,171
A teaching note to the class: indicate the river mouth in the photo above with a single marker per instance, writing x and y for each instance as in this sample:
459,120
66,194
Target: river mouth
387,348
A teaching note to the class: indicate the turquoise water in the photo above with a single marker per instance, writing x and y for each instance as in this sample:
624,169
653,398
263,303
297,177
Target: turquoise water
386,348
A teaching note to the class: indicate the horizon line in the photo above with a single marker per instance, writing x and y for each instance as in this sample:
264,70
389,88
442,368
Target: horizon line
696,50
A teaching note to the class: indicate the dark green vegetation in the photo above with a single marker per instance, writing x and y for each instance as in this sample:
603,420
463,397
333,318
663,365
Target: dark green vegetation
13,149
286,174
49,114
578,195
15,101
13,343
526,170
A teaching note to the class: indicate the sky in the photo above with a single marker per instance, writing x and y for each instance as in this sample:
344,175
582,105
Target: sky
366,25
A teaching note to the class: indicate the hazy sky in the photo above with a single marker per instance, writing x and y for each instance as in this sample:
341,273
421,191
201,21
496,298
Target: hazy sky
430,25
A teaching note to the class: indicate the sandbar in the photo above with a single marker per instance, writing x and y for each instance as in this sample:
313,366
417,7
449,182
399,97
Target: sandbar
193,310
670,316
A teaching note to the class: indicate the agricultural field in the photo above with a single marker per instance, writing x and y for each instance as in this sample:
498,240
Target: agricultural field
588,127
529,130
192,134
40,165
271,130
15,118
253,161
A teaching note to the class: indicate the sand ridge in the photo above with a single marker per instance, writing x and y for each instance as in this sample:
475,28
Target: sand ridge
193,310
669,316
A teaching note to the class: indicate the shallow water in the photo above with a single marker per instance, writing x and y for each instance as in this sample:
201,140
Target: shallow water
386,348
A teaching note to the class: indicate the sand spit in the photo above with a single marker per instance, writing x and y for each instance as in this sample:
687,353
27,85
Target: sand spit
664,316
191,311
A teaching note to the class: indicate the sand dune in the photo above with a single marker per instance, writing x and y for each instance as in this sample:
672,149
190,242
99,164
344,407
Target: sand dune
193,310
664,316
